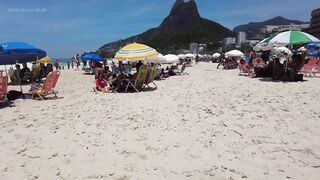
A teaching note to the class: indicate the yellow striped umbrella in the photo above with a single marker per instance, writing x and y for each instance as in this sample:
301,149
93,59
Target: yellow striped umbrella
136,52
46,59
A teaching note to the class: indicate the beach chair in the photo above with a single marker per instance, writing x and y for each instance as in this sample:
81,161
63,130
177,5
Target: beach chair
151,77
244,68
308,68
181,71
4,89
317,68
48,86
258,62
139,81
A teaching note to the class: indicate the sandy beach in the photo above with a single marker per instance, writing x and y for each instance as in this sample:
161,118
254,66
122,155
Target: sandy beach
210,124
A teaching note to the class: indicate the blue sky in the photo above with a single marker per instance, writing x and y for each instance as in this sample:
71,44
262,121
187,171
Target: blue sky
65,27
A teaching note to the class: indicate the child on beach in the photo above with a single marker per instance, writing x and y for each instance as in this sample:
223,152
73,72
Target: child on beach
101,83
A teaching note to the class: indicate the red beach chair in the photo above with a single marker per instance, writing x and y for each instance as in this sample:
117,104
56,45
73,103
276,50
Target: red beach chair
317,69
244,67
307,69
48,86
4,89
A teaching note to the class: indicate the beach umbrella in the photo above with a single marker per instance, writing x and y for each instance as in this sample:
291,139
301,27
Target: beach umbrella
159,59
92,56
234,53
216,55
312,45
292,38
135,52
171,58
189,55
314,53
182,56
19,52
302,49
46,59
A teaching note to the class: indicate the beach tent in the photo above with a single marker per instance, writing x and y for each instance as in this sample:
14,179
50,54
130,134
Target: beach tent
292,38
19,52
160,59
171,58
46,59
92,56
136,52
216,55
234,53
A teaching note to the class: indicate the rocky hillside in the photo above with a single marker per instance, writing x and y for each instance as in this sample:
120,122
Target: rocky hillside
181,27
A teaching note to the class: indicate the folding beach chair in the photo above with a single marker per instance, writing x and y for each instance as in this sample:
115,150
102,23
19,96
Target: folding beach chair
151,77
244,68
4,89
48,86
139,81
308,68
258,62
317,68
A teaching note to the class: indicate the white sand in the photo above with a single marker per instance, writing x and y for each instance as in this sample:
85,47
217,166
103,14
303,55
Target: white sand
212,124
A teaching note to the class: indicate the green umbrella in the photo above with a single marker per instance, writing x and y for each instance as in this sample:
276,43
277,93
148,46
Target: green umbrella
292,38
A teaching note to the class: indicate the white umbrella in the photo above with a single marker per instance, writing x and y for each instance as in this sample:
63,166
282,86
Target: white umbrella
302,49
263,47
171,58
159,59
189,55
216,55
234,53
182,56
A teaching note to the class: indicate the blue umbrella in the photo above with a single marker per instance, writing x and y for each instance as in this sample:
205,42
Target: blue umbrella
92,56
314,53
312,45
19,52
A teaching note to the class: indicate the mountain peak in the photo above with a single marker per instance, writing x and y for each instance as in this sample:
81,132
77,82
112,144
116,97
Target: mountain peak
181,27
185,8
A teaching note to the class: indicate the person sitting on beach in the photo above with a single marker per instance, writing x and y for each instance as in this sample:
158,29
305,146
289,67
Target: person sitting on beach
49,69
25,73
171,72
138,65
101,83
118,81
35,72
106,72
15,74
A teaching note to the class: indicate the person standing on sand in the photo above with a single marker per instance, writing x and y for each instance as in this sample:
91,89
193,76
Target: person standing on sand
77,60
72,61
68,64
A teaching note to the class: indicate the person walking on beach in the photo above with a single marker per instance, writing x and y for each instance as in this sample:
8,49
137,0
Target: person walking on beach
221,60
56,64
